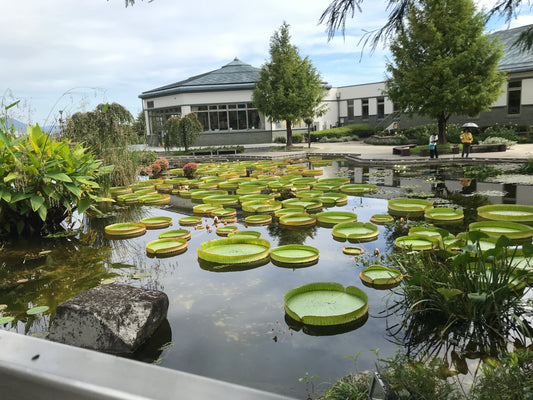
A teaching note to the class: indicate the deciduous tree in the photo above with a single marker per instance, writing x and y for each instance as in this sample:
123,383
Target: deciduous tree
443,63
289,87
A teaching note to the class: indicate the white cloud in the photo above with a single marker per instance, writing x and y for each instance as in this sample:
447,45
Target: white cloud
50,47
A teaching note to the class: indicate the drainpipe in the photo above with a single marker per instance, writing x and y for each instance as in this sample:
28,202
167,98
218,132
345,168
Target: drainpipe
338,95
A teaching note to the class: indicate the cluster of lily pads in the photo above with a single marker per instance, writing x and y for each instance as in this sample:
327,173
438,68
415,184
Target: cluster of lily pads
296,196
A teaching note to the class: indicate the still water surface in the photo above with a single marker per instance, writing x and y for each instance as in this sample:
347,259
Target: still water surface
231,325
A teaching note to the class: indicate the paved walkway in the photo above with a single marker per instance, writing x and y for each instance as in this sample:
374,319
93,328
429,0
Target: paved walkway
371,153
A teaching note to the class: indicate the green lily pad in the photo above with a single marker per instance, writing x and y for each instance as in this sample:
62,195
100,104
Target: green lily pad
253,234
381,219
335,217
380,277
258,219
175,234
205,209
406,207
125,230
5,320
225,230
224,212
352,250
154,199
297,220
37,310
358,188
157,222
222,199
141,275
107,281
495,229
234,250
294,254
330,199
417,242
261,206
506,212
306,204
355,231
326,304
189,221
166,247
444,215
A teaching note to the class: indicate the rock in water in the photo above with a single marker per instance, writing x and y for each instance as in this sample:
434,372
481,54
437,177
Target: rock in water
110,318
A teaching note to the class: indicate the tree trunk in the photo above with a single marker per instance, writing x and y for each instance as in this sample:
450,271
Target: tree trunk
289,133
441,121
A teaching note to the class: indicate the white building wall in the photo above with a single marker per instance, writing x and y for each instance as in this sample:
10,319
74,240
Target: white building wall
527,91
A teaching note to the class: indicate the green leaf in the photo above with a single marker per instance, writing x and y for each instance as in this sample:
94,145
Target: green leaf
37,310
10,177
42,211
141,275
74,189
36,201
83,205
449,293
5,320
477,297
59,176
105,107
11,105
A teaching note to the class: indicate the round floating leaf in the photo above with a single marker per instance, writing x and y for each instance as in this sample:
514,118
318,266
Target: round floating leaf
381,277
294,254
253,234
352,250
5,320
358,188
154,199
333,199
166,247
107,281
336,217
261,206
381,219
37,310
205,209
222,199
414,242
355,231
125,230
141,275
306,204
175,234
406,207
188,221
326,304
234,250
225,230
297,220
506,212
258,219
495,229
443,215
157,222
224,212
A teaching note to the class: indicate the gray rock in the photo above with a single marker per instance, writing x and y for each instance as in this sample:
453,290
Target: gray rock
110,318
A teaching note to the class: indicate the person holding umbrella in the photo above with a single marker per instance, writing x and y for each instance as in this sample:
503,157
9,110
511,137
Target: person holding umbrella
467,138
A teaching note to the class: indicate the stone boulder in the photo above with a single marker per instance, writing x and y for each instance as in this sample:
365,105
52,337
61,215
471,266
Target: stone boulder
110,318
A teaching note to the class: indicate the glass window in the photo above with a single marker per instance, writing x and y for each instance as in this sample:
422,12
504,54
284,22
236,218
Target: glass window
223,120
242,119
233,123
381,107
514,94
364,108
350,109
213,121
235,116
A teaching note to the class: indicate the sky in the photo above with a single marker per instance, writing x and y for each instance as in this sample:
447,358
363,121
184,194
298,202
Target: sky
69,56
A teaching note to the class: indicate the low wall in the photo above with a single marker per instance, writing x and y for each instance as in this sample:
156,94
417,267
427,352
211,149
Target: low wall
233,138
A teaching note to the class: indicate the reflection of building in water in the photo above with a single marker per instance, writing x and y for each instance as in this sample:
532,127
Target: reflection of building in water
377,176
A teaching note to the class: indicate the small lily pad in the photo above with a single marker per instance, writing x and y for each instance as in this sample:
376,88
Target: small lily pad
107,281
5,320
37,310
141,275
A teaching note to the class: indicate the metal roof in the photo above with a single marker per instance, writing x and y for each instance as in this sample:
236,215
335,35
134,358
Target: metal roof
233,76
514,58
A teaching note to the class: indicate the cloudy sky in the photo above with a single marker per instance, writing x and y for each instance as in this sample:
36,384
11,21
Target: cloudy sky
71,55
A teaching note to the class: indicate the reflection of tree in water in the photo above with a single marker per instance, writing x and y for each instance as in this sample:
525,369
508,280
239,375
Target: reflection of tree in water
425,337
290,235
469,204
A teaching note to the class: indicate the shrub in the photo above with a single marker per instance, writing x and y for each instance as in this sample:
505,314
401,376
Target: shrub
526,168
502,131
189,169
498,140
280,139
44,182
163,164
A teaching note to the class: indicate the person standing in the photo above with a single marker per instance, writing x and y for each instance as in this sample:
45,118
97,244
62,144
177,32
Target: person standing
466,140
433,139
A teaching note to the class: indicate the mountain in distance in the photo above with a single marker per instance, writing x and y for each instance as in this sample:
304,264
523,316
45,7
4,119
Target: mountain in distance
21,126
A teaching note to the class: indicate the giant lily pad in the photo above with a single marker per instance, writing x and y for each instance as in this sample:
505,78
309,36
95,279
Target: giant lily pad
128,198
326,303
188,221
307,204
166,247
352,250
357,231
358,188
125,230
253,234
224,212
333,199
380,277
417,242
406,207
299,220
234,250
443,215
120,190
381,219
154,199
175,234
294,254
205,209
258,219
506,212
335,217
261,206
222,199
157,222
495,229
226,230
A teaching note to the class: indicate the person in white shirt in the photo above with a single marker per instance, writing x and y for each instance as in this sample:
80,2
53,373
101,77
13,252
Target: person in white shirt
433,139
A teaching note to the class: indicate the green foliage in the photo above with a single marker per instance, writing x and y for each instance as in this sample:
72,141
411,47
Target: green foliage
415,380
507,131
181,131
353,387
43,181
444,64
480,172
526,168
107,132
139,125
289,88
396,140
498,140
508,379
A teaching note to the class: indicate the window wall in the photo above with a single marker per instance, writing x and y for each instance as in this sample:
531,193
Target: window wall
159,116
224,117
514,94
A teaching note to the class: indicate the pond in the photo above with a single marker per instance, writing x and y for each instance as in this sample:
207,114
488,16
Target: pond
231,324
